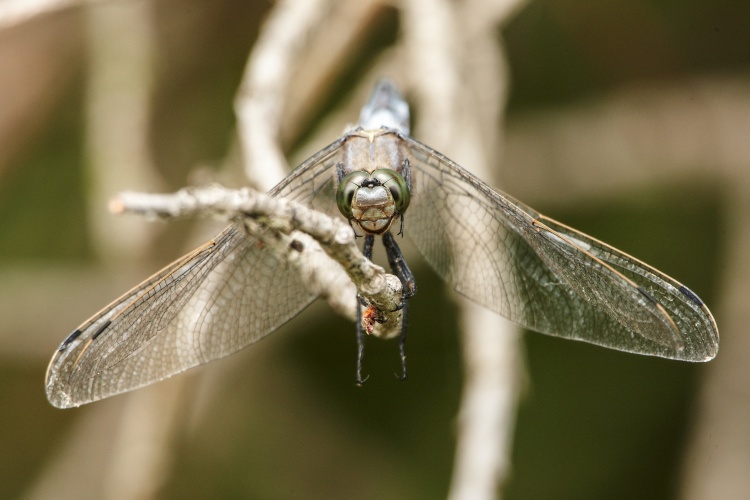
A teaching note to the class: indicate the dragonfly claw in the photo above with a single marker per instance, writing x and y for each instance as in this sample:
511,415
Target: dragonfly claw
361,381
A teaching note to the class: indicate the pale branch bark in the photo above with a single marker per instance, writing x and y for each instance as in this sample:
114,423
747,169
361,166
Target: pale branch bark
122,38
15,12
120,82
717,458
76,465
259,103
443,41
325,58
637,135
432,45
145,442
281,226
493,373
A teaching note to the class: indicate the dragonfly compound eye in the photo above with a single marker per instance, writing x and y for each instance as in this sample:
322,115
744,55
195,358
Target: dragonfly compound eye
347,188
396,185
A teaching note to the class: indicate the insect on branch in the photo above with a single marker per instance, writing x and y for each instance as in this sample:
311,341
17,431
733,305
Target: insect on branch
296,234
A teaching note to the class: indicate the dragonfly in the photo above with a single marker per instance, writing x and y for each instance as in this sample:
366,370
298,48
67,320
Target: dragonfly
493,249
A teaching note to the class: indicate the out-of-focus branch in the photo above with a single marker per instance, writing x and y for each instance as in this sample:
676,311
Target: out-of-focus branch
120,85
327,54
119,94
444,41
120,36
38,62
638,135
718,456
260,101
14,12
430,38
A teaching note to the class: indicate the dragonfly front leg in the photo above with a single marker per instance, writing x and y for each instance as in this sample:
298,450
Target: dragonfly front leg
367,252
402,341
399,266
402,271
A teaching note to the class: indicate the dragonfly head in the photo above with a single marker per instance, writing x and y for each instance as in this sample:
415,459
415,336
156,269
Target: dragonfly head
373,199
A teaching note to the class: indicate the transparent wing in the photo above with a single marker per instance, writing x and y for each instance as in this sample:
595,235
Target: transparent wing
314,182
212,302
496,251
544,275
216,300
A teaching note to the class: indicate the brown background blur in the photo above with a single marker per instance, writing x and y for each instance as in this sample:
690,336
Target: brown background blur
624,121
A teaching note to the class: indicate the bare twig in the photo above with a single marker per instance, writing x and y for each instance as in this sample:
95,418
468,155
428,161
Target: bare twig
281,226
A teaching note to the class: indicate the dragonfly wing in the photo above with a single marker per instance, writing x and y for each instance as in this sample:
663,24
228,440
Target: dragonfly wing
543,275
313,182
214,301
691,316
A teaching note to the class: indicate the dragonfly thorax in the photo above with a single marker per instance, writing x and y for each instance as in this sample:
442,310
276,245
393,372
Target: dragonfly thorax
372,199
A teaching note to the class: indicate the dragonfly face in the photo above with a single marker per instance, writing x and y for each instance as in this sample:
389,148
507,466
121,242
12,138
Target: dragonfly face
488,246
372,200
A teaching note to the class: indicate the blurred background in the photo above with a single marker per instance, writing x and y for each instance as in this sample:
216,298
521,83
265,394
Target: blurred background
625,119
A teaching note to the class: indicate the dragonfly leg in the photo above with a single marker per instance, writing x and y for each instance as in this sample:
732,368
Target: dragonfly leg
402,271
360,347
367,252
401,226
402,341
406,174
351,225
399,266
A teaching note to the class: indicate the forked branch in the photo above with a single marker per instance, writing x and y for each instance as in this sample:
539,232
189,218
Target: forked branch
296,234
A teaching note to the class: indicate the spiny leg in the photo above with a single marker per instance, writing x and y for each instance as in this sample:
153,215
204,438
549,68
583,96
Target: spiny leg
367,252
399,266
360,346
406,174
409,285
402,341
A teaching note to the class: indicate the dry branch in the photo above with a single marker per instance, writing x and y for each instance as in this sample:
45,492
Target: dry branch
281,226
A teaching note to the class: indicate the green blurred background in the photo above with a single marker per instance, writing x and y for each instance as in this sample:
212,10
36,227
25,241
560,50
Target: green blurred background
286,421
